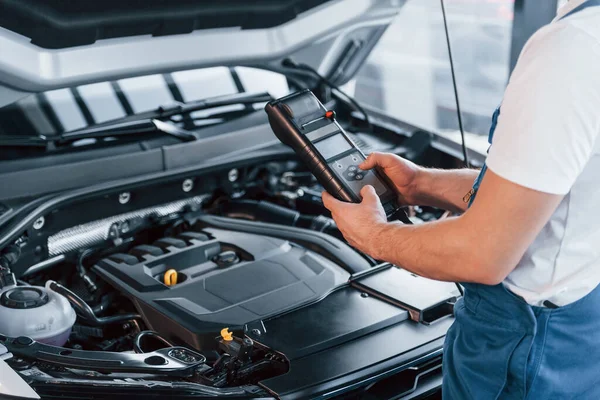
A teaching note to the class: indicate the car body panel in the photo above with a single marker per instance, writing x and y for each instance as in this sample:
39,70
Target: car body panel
329,27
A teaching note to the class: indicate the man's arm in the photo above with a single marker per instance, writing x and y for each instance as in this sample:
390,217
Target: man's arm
483,245
424,186
445,189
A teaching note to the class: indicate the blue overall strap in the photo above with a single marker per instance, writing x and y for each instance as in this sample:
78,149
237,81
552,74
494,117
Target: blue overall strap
583,6
471,195
484,168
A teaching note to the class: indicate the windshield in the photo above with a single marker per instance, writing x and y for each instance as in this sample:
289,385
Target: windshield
64,110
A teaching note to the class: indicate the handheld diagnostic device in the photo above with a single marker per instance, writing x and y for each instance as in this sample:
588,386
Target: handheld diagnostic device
300,121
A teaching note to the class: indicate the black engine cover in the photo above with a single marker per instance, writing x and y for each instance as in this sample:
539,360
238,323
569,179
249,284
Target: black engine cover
215,288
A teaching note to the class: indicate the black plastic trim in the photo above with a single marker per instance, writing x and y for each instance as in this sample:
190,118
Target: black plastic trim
173,88
122,98
52,202
318,242
27,182
55,24
83,107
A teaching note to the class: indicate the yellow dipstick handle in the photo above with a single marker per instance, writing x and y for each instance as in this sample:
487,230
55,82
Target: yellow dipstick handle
226,335
170,277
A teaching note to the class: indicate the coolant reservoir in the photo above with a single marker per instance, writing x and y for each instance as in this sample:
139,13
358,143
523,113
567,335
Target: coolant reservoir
37,312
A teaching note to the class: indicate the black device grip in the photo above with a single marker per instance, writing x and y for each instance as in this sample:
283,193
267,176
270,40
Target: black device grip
287,133
289,118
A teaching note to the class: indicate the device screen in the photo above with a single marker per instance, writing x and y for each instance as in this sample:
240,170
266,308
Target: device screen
332,146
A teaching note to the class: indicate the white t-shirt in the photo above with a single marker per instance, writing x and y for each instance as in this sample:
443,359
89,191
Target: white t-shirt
546,140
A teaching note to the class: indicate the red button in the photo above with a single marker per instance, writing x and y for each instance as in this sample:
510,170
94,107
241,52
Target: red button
330,114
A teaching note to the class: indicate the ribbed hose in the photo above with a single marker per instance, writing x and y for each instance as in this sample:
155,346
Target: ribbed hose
85,311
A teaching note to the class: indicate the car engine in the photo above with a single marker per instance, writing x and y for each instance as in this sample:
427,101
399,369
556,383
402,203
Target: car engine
176,295
222,279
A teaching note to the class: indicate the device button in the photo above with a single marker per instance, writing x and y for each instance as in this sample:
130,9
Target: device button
359,177
352,168
350,175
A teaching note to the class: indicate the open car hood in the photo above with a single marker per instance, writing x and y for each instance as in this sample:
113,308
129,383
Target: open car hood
50,44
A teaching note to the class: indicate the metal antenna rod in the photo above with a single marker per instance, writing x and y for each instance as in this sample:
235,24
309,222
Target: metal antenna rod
458,112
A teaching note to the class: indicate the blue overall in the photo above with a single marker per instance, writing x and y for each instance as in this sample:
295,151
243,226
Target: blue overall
500,347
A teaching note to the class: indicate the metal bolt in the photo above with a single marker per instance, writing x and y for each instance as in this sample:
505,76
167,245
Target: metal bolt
256,332
364,295
124,197
187,185
233,175
39,223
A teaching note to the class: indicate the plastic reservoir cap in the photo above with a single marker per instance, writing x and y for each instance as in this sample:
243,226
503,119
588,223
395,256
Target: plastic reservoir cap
36,312
226,335
170,277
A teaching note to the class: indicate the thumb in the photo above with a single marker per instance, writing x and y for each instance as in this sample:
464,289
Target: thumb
371,162
369,195
329,201
383,160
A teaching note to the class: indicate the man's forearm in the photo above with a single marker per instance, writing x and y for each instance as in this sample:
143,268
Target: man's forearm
441,250
444,188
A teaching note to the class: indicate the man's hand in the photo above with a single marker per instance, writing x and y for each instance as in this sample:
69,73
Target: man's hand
424,186
483,245
401,172
358,222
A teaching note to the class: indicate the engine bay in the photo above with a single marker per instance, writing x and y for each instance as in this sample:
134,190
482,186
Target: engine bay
230,287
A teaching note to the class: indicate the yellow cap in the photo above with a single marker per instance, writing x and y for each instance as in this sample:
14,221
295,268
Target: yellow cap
226,335
170,277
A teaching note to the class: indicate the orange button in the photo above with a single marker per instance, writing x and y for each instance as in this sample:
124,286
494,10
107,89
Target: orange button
330,114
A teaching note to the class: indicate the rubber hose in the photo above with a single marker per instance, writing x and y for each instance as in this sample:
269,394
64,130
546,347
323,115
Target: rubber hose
265,211
104,304
85,311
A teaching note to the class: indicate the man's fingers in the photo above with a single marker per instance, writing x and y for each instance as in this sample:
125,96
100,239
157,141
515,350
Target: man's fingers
369,195
375,159
330,202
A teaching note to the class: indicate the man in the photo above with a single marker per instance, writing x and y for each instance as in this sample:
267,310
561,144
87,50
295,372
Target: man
528,247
